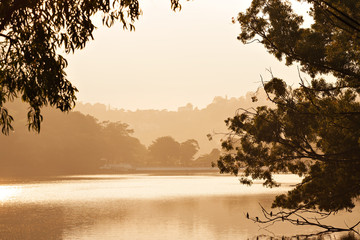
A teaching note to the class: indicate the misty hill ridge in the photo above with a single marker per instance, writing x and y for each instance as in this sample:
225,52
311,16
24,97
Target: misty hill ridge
185,123
77,143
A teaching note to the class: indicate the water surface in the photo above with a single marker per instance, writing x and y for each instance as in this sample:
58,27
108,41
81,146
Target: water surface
140,207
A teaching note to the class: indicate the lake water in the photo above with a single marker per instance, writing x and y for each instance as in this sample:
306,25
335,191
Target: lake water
141,207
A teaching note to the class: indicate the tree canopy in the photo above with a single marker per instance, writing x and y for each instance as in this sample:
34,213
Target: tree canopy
32,31
76,143
314,129
166,151
71,143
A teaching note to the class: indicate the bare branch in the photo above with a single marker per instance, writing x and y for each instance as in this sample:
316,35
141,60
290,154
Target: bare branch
296,217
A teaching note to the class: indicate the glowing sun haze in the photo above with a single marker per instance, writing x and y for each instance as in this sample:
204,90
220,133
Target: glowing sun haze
172,58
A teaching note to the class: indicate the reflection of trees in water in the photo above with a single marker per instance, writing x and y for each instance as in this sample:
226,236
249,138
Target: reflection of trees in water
55,221
215,217
31,222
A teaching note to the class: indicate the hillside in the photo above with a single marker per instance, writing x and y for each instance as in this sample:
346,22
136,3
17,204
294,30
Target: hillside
188,122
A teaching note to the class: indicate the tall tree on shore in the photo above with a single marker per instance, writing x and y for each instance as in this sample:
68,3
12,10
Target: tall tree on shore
167,152
187,151
71,143
313,130
32,32
164,151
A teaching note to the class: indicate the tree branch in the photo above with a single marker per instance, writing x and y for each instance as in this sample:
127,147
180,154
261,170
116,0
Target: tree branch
296,217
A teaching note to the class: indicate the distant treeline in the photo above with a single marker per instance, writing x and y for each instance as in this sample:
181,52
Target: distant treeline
75,143
187,122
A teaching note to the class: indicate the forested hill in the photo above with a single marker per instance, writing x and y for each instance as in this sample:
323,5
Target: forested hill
67,143
187,122
75,143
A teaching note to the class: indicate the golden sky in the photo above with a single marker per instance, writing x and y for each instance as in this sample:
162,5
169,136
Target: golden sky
172,58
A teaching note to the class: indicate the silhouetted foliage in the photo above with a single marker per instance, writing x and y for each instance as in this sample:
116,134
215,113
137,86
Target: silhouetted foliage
165,151
31,34
313,130
187,122
187,151
207,160
69,144
119,147
75,143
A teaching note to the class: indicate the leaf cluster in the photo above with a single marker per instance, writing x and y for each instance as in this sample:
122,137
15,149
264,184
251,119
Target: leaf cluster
307,133
313,130
32,31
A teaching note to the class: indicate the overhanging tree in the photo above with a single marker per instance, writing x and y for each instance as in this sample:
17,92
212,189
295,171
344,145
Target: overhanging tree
313,130
31,32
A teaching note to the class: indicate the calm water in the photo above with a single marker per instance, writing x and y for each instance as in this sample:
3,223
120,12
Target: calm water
140,207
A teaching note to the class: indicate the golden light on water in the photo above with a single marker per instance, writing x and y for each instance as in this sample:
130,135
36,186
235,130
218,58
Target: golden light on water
8,192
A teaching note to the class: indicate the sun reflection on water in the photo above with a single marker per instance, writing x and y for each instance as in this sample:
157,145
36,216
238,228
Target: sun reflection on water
8,192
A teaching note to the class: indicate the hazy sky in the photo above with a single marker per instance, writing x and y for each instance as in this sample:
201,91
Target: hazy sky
172,58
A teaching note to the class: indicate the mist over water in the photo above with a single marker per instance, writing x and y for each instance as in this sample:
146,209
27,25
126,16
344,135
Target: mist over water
140,207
